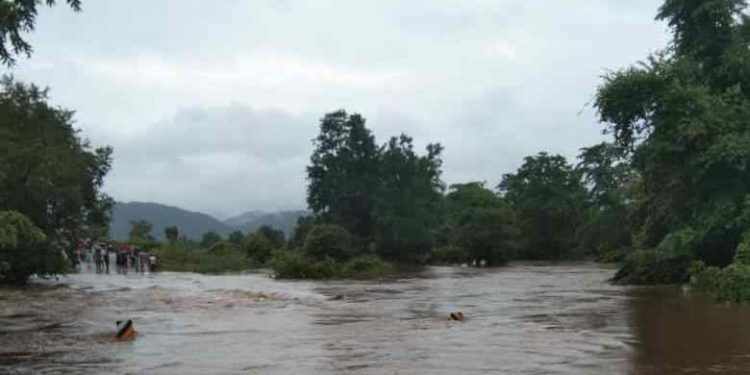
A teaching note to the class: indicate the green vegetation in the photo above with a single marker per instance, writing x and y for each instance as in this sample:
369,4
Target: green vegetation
669,196
549,198
18,17
186,256
49,174
171,233
289,264
24,250
730,284
682,118
328,252
209,238
236,237
477,225
379,206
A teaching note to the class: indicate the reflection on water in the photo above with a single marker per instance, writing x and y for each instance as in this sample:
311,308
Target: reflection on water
680,334
523,319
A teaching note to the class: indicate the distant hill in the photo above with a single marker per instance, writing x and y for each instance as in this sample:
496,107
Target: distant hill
191,224
244,218
252,220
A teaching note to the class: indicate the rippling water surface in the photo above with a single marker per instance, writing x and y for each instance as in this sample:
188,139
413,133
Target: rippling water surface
521,319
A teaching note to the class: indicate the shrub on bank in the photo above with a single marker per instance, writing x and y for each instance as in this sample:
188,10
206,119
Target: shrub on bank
448,255
730,284
365,266
329,241
294,264
668,263
25,251
221,257
614,256
654,266
290,264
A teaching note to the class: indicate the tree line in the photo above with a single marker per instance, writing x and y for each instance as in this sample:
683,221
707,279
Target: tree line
387,202
667,196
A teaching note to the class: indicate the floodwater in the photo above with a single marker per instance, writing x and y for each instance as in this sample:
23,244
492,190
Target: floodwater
521,319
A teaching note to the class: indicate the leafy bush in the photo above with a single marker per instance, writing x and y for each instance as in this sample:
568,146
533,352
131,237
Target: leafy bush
365,266
24,250
614,256
291,264
668,263
742,254
448,254
734,284
259,247
654,266
731,284
221,257
328,241
222,247
704,279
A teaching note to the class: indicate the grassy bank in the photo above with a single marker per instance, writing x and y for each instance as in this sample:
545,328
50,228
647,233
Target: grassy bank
217,259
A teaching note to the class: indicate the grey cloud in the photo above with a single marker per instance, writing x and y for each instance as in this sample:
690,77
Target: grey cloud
223,160
493,81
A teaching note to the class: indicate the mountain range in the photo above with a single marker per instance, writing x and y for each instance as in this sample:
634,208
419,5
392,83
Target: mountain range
193,224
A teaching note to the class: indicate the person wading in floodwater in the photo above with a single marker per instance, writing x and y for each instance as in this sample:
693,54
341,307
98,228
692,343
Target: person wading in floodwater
98,258
105,259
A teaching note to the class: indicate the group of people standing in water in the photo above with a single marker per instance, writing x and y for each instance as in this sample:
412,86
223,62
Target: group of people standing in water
105,255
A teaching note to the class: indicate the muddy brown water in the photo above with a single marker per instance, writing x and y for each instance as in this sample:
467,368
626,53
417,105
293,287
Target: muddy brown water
521,319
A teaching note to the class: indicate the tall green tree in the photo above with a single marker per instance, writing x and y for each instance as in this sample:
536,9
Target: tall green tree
384,197
480,224
683,115
410,193
171,233
548,196
343,173
47,171
18,17
275,236
140,231
304,224
610,181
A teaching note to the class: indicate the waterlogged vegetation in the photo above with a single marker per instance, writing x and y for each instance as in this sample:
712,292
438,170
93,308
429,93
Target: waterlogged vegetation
668,196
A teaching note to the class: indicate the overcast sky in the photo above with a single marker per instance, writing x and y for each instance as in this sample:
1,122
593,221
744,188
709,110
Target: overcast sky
211,105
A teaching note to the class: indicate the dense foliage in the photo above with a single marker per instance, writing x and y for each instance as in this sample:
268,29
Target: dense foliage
24,250
140,231
605,230
388,202
47,172
478,225
682,117
171,233
731,283
188,256
548,196
209,238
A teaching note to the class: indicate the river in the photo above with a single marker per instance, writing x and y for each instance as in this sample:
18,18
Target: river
526,318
